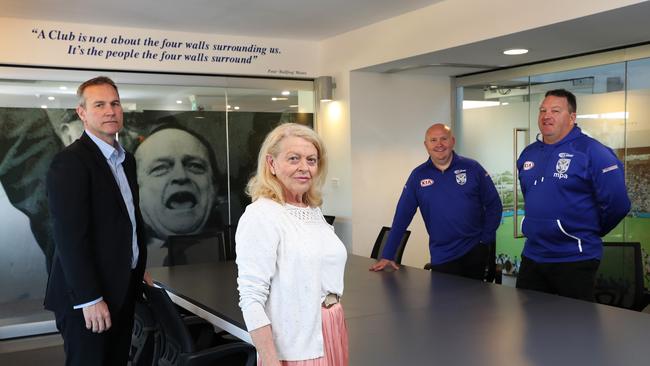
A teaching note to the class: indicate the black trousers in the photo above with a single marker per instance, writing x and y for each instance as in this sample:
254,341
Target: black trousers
570,279
471,265
110,348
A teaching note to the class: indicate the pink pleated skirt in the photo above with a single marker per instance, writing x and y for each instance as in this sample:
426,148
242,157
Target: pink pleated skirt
335,341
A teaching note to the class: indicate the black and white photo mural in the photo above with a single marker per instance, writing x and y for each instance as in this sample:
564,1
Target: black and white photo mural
193,167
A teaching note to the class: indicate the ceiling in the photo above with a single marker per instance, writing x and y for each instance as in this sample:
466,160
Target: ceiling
290,19
613,29
317,20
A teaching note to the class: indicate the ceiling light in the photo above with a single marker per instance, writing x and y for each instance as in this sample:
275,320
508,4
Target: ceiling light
471,104
179,102
278,98
286,92
236,107
44,106
515,51
293,106
50,98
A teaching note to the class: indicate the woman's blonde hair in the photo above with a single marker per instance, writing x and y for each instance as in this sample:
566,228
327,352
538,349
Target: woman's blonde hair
265,184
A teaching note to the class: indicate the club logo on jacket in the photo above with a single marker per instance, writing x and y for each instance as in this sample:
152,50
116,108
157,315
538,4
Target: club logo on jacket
528,165
561,168
426,182
461,176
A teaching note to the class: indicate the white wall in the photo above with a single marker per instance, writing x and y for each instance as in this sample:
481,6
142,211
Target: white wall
391,113
77,45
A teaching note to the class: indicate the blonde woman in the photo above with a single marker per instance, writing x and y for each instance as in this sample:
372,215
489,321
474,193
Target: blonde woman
290,261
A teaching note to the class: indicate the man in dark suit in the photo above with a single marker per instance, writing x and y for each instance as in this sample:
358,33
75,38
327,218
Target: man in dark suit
100,256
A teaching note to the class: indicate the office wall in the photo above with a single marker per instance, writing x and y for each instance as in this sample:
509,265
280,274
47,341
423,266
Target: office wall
391,113
78,45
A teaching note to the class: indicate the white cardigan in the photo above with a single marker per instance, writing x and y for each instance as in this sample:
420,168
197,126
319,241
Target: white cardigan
288,259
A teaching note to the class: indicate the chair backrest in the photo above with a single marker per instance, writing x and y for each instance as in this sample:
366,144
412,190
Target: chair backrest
329,219
177,340
145,339
381,242
619,280
199,248
177,346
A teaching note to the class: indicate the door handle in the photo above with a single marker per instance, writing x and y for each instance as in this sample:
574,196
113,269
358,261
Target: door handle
515,150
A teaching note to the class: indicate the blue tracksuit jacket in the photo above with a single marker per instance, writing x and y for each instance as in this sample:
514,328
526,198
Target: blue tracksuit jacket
460,208
574,192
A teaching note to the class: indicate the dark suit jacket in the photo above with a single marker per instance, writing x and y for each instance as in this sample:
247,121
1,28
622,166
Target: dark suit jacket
92,230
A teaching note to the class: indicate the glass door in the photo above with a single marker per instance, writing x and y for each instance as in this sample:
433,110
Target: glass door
494,127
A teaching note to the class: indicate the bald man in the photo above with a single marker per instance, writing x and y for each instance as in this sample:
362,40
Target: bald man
459,204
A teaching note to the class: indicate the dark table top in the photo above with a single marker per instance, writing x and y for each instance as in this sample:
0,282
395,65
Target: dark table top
414,316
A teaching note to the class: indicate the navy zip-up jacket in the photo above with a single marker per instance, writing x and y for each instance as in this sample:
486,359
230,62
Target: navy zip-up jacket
574,192
460,207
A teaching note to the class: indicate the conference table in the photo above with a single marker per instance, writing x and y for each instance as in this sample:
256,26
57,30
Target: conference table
417,317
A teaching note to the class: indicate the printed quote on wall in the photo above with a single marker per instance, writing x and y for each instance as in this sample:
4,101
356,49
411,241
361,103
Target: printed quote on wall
160,50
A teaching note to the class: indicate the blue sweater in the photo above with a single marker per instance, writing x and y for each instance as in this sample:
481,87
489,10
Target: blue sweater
460,208
574,192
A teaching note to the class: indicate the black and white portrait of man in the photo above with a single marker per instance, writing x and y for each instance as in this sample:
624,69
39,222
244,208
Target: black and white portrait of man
178,185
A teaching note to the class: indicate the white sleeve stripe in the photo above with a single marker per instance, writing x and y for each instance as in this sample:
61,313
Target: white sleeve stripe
610,168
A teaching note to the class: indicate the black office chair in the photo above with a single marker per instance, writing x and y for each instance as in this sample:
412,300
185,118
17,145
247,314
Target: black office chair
178,348
381,242
200,248
619,281
329,219
145,341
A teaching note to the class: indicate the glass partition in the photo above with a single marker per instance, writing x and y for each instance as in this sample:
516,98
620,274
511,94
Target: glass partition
637,158
220,121
499,118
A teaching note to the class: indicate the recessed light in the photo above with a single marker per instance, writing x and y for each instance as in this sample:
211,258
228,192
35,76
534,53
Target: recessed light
50,98
515,51
179,102
228,106
278,98
286,92
236,107
471,104
44,106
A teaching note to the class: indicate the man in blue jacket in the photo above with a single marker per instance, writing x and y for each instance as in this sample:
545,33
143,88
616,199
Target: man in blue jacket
574,191
459,204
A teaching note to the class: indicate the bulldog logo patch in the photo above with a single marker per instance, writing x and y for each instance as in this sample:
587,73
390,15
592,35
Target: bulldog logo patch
561,168
461,178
